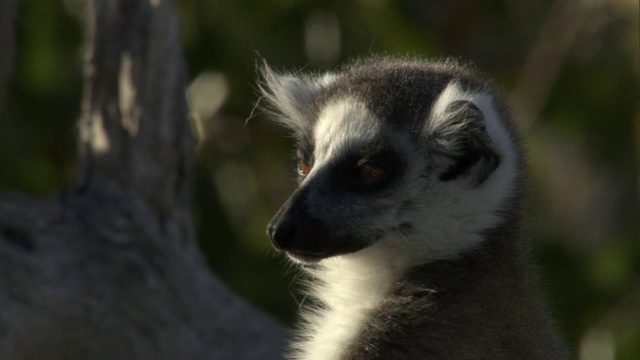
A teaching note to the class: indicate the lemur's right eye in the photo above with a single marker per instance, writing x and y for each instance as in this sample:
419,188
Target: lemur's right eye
303,168
369,172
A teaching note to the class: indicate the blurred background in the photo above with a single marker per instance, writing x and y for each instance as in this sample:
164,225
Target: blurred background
571,67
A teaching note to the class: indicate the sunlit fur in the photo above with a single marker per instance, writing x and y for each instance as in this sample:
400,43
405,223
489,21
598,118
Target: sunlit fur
421,220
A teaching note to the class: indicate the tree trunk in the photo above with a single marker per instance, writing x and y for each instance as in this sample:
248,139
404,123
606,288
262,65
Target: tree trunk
112,270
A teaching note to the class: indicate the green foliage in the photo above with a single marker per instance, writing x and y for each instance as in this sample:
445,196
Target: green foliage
584,141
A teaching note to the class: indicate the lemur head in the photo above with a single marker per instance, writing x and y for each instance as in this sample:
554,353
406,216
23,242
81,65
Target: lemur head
405,158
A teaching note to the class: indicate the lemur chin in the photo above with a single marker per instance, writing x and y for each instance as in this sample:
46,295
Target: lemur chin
408,215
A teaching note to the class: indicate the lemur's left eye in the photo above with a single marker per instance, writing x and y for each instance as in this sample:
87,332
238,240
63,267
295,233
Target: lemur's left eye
304,168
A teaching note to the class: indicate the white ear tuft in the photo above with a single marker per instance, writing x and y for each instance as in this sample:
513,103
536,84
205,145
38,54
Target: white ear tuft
290,96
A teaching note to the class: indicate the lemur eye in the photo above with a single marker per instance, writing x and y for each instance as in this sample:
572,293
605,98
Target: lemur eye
303,168
369,172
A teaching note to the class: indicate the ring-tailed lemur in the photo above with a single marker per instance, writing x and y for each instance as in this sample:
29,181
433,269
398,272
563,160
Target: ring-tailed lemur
408,215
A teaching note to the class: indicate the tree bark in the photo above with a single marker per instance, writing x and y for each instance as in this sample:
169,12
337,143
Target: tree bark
112,270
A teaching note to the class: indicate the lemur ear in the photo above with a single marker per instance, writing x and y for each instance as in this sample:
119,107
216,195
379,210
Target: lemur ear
457,130
290,97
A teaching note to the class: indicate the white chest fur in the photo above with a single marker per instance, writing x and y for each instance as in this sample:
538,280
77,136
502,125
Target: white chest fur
349,287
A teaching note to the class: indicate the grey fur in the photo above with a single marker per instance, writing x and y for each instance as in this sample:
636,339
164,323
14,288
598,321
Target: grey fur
477,298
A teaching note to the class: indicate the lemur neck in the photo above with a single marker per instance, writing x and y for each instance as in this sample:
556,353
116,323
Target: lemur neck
349,288
353,288
367,274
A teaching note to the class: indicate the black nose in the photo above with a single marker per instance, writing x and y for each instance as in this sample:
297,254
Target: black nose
295,231
300,234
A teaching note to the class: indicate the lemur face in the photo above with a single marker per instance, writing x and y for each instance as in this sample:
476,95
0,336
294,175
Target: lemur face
350,174
405,158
